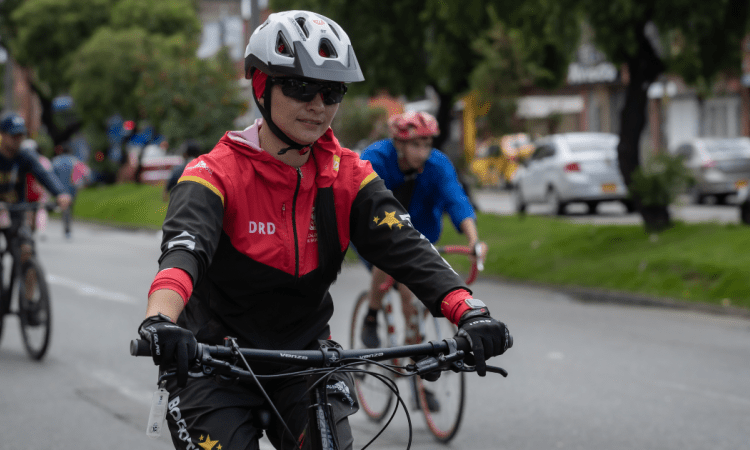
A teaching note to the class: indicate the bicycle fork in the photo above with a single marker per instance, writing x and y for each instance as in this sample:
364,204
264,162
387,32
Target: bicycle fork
320,420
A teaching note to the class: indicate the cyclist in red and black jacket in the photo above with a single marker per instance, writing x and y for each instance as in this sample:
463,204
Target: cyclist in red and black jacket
255,235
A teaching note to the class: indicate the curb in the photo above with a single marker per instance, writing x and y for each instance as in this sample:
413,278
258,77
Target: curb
625,298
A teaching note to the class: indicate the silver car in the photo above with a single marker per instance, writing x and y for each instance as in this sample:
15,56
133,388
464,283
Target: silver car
572,167
720,166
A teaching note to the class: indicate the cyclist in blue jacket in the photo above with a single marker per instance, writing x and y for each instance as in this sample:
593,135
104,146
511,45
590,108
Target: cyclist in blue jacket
424,181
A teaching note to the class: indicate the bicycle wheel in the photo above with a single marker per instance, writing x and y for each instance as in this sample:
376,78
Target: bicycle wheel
374,396
34,309
441,401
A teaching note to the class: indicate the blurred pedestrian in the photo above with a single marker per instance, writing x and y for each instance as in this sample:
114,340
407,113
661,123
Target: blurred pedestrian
35,191
190,150
74,174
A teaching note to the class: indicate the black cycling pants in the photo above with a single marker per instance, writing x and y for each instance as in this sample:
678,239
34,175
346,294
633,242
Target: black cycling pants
206,414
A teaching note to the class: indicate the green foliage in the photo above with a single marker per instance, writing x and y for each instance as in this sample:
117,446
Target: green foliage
697,39
356,121
50,31
106,70
190,98
660,180
132,57
165,17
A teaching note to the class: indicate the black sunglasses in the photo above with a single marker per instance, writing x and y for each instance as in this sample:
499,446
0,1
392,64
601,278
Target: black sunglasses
306,90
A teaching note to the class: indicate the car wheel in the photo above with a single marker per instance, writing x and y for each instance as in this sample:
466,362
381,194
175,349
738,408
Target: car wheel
557,206
745,212
592,207
629,206
518,200
696,196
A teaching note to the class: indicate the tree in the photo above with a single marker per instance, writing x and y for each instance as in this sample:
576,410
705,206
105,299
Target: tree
696,40
406,45
530,45
104,52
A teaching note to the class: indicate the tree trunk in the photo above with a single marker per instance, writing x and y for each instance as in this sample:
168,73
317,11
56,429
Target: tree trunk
444,117
644,67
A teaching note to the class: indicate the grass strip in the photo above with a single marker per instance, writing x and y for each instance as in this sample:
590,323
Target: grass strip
704,262
127,204
692,262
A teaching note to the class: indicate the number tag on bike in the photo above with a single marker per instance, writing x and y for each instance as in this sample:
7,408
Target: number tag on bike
158,413
4,219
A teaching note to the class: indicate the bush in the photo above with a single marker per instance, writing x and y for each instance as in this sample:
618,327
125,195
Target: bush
659,180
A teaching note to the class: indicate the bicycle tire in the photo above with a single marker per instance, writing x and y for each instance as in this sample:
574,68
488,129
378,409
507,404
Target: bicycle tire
448,390
35,311
374,396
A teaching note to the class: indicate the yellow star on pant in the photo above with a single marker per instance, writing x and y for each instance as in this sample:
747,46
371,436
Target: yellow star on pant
390,220
208,444
376,219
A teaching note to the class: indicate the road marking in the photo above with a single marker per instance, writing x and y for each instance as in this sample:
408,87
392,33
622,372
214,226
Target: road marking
92,291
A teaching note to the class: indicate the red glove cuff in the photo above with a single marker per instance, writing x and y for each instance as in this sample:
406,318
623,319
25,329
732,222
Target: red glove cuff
174,279
453,305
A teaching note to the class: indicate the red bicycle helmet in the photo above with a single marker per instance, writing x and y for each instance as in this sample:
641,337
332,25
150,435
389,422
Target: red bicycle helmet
412,124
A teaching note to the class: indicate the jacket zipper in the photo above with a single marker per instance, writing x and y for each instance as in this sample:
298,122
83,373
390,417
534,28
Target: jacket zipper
294,223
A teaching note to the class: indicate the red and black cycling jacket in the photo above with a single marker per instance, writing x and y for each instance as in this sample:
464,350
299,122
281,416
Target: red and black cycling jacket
241,224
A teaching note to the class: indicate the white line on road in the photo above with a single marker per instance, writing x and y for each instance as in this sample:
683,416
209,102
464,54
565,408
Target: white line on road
92,291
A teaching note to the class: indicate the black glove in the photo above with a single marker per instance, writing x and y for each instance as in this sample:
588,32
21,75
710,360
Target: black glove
487,337
170,343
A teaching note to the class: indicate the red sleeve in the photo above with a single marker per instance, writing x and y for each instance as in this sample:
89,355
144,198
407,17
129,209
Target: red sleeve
453,305
174,279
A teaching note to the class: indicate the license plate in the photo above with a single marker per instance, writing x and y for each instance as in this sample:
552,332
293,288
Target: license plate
740,184
609,188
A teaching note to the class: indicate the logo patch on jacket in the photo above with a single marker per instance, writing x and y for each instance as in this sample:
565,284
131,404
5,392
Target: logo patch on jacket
201,165
312,232
389,219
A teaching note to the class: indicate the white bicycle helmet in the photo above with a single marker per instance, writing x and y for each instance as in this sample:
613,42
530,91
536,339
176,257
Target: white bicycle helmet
303,44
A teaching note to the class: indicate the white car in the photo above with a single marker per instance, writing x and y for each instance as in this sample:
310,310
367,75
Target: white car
572,167
720,166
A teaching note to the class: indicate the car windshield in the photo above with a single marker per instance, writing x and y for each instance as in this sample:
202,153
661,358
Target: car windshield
592,144
725,149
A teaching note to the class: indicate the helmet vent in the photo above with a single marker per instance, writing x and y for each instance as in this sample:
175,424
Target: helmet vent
333,28
301,23
326,49
282,48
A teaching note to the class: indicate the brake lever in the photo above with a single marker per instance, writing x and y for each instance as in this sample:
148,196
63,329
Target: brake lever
439,363
460,366
477,253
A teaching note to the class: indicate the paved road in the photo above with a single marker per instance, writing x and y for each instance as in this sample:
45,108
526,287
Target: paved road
501,202
582,375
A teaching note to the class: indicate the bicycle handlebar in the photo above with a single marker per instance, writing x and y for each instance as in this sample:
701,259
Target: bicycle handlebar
476,267
332,356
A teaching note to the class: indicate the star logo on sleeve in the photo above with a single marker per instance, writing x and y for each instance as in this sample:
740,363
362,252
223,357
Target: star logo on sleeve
390,220
208,444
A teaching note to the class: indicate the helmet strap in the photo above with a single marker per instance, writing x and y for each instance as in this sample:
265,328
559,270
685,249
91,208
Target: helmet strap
266,113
